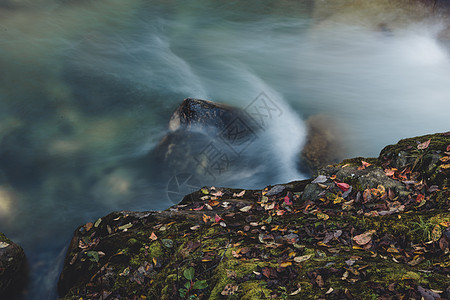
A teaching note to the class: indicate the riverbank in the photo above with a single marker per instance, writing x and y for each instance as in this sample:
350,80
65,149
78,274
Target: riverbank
365,228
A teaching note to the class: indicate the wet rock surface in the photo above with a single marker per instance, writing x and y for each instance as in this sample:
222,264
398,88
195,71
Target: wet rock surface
13,269
361,229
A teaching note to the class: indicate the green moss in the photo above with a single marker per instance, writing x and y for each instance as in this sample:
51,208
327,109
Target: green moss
254,290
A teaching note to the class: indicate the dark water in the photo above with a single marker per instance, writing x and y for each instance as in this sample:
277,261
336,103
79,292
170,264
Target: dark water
87,89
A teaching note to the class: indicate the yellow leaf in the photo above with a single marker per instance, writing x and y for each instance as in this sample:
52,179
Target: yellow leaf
445,166
285,264
445,158
322,216
436,233
338,200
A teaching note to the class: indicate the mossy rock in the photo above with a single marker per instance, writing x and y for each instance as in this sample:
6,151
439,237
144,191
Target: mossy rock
13,268
353,233
429,162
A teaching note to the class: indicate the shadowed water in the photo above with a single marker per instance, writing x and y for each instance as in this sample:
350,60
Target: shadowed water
87,89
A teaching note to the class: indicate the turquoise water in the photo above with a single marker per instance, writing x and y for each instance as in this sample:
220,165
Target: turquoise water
87,90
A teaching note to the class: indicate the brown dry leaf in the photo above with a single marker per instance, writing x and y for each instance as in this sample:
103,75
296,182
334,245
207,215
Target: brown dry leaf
390,172
239,194
246,208
364,238
424,145
88,226
229,289
300,259
213,202
319,281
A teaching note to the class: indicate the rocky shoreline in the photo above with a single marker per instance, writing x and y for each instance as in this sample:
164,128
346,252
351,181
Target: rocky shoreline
367,228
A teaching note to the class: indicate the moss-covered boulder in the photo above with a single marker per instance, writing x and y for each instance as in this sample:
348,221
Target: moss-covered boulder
361,229
12,268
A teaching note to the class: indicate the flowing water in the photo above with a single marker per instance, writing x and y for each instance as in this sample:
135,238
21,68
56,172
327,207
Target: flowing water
87,89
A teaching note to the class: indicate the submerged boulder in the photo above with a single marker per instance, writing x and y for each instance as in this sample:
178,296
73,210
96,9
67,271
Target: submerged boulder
358,230
323,144
12,268
203,138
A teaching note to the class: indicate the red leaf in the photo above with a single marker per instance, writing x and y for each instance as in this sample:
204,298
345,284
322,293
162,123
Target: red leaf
343,186
217,218
199,208
419,198
448,148
424,145
287,200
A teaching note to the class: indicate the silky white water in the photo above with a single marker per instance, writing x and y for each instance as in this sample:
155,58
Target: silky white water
87,90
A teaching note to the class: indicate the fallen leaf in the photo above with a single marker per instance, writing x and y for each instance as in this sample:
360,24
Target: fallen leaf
153,237
125,227
445,166
319,281
416,260
424,145
229,289
364,238
213,202
300,259
320,179
280,212
445,158
420,198
97,223
448,148
287,200
3,245
195,227
239,194
199,208
205,191
270,273
322,216
343,186
89,226
296,291
436,233
217,194
246,208
206,218
365,164
217,219
285,264
390,172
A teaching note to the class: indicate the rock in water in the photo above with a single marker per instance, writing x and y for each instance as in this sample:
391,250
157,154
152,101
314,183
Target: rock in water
322,145
203,138
13,268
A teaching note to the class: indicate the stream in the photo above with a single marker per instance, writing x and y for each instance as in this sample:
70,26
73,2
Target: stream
87,89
